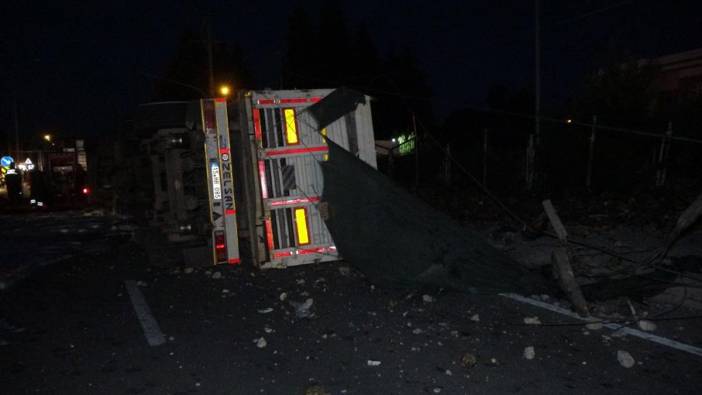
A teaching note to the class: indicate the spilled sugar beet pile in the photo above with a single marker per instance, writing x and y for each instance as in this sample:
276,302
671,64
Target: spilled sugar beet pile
397,239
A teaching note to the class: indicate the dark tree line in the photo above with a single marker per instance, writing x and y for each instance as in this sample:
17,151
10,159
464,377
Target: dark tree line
327,53
321,51
187,75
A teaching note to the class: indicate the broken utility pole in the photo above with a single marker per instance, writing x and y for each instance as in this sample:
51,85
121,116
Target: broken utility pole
561,263
396,239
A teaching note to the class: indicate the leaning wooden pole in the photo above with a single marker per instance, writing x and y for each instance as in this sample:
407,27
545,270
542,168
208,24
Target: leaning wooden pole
561,263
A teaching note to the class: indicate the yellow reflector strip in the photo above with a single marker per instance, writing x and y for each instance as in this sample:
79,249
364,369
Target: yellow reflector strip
303,236
290,126
325,157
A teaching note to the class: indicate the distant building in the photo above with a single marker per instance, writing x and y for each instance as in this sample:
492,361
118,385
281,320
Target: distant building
680,74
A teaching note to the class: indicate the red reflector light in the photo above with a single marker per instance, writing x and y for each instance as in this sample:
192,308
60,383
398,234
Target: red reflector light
220,246
86,191
208,114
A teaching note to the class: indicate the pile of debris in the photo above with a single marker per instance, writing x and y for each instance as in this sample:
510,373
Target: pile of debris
399,240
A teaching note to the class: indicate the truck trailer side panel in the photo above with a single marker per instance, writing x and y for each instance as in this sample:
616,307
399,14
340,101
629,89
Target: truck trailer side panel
288,150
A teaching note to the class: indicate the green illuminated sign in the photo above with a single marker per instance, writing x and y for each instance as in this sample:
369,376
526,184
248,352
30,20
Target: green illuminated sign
405,144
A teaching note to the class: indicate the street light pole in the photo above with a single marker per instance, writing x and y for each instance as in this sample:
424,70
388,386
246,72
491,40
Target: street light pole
537,72
534,147
209,57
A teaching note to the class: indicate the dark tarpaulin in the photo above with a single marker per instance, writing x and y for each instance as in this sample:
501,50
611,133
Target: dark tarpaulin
335,105
398,240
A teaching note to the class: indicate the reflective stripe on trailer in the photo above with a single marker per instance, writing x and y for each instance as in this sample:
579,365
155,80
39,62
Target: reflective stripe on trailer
301,225
293,151
257,124
269,234
291,202
262,177
304,251
294,100
291,136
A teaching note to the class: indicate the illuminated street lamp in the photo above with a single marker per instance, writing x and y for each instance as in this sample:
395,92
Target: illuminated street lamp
47,137
225,90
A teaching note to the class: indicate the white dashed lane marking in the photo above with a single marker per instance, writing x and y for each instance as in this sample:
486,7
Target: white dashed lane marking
152,331
613,326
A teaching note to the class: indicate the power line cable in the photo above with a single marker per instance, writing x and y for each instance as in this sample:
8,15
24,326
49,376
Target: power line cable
594,12
529,116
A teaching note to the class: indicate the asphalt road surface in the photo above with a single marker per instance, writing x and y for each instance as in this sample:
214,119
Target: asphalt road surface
72,328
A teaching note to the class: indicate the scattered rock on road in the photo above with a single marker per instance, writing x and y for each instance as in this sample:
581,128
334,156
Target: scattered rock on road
529,352
594,326
468,360
427,298
625,359
475,318
647,325
302,310
532,320
216,275
373,363
261,342
316,390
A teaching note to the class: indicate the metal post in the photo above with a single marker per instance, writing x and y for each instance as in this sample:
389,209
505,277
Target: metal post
591,153
485,153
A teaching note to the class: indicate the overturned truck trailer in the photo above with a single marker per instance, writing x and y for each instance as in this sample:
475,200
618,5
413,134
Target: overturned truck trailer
240,178
287,178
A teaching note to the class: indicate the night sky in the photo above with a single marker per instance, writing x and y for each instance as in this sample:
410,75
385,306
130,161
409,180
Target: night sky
77,68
